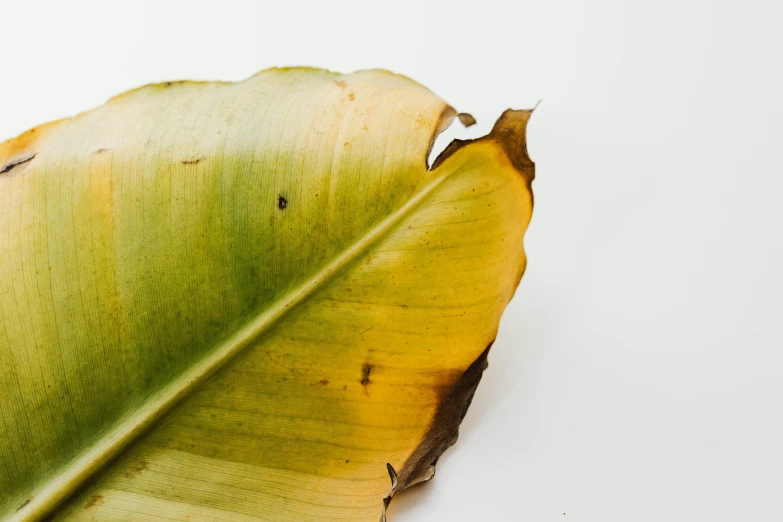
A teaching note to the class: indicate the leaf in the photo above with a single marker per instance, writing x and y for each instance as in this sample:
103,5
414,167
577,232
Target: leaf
248,301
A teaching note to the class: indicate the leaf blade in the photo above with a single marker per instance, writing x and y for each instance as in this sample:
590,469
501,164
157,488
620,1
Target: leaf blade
260,325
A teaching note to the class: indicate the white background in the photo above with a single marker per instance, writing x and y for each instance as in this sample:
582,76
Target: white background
638,372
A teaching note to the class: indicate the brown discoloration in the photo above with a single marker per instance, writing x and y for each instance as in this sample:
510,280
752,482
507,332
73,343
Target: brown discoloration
101,151
443,432
351,96
192,162
510,133
282,203
136,469
95,501
174,83
323,382
19,160
340,84
23,504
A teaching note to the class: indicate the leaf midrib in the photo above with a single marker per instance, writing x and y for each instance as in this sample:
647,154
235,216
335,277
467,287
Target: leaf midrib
70,478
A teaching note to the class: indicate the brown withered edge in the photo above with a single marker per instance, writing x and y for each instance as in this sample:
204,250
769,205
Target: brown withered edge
510,132
443,433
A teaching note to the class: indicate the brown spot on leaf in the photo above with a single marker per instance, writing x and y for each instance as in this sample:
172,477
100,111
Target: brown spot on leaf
351,96
100,151
282,203
19,160
95,501
323,382
192,162
23,504
366,371
340,83
136,469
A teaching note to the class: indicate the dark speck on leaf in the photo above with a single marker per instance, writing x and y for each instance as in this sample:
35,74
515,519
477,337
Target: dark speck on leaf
95,501
136,469
366,371
282,203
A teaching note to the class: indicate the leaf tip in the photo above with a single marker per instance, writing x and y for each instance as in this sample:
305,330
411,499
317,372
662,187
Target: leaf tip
510,132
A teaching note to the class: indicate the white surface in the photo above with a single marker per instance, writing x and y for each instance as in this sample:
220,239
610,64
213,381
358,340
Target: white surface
637,375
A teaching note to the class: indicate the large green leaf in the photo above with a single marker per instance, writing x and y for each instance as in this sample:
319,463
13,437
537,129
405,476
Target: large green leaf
240,301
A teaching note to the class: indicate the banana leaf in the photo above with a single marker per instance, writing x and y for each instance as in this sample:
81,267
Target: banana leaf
248,301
